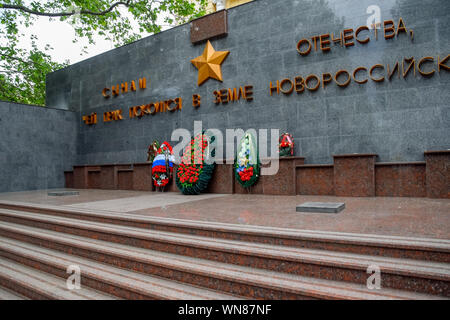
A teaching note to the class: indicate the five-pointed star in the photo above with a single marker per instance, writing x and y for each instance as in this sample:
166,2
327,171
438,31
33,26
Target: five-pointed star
208,64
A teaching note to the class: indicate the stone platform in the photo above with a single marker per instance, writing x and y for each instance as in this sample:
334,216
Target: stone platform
350,175
127,252
396,216
137,256
321,207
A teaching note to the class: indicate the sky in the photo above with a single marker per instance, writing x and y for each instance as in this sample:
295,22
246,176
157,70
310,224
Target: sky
60,35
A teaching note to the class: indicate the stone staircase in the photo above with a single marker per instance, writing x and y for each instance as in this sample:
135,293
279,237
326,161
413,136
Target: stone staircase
126,256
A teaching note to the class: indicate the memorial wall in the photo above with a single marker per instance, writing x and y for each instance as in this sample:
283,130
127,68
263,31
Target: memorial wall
37,145
342,88
343,77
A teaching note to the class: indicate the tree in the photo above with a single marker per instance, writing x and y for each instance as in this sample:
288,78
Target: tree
22,72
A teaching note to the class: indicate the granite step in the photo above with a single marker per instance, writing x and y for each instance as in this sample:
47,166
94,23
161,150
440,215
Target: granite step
378,245
243,281
112,281
403,274
34,284
6,294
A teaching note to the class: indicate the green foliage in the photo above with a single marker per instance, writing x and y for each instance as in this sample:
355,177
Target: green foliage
22,72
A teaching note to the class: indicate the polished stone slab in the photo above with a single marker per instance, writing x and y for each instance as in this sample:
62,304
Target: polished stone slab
63,193
321,207
388,216
147,201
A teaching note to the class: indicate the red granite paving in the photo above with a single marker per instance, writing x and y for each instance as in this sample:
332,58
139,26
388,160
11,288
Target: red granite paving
86,195
415,217
402,216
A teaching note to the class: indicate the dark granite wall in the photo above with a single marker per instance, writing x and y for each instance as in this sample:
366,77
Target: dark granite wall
397,119
37,144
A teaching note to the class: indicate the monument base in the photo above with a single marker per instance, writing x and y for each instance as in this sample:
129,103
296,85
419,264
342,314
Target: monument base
321,207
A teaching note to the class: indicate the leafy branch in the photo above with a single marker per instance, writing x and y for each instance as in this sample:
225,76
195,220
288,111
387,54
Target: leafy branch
63,14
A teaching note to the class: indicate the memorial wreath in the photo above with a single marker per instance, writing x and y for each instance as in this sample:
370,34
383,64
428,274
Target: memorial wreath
193,174
247,163
162,167
286,145
152,150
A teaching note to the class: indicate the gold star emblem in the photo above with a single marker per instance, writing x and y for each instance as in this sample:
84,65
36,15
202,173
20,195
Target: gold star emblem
208,64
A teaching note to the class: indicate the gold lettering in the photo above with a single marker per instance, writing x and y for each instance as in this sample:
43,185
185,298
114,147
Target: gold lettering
311,76
325,44
314,39
337,39
133,112
117,115
104,93
375,29
196,100
291,86
390,29
299,45
115,90
106,116
340,84
223,96
358,31
150,110
142,83
401,27
391,73
90,119
442,64
217,96
412,63
124,87
354,75
160,107
242,92
142,111
348,37
179,103
234,95
248,93
423,73
380,66
272,88
299,84
168,103
326,78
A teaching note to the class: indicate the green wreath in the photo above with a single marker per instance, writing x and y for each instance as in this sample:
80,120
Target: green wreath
246,163
193,174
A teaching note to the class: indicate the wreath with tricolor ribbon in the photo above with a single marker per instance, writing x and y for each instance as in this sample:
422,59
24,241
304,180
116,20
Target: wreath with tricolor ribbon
162,167
193,174
246,164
